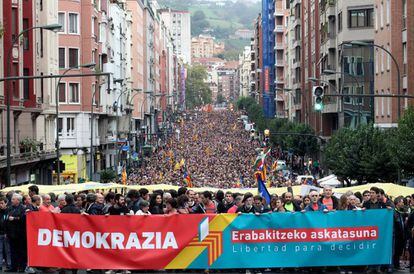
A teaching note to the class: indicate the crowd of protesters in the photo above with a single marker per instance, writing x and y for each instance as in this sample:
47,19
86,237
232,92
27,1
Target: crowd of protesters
212,148
14,207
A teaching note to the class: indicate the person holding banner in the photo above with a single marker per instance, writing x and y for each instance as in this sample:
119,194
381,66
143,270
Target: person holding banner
289,204
330,201
315,204
247,206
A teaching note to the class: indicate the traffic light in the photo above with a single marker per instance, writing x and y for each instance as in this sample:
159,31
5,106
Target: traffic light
318,93
61,165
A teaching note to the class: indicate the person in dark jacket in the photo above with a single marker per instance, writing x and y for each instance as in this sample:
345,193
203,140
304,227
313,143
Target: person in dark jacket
399,231
70,207
35,203
156,206
374,201
16,233
97,207
247,206
119,208
289,203
4,242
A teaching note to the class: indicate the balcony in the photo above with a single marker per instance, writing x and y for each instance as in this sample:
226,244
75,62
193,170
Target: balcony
296,22
331,107
279,29
331,9
280,63
297,43
279,81
279,46
296,63
278,12
27,157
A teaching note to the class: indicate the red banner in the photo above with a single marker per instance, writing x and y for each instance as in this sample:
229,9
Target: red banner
107,242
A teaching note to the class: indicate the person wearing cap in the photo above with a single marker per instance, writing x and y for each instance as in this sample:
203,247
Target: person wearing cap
247,206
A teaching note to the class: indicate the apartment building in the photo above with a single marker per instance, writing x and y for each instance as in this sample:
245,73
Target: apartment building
393,22
32,144
205,46
281,16
179,24
244,69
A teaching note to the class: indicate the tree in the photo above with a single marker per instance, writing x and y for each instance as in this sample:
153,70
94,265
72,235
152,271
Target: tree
108,175
402,144
361,154
197,91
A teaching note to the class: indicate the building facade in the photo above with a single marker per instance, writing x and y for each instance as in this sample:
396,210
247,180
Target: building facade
205,46
179,24
393,31
31,138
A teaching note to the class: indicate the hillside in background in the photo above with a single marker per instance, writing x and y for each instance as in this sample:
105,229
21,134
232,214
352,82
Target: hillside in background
220,21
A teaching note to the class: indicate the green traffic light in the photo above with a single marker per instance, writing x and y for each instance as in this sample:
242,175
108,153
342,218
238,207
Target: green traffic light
318,107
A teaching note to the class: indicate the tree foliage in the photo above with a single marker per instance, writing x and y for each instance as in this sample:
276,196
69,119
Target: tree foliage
361,154
197,91
108,176
199,23
402,145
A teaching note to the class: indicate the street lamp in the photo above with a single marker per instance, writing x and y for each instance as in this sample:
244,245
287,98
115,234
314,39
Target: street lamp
51,27
57,144
364,44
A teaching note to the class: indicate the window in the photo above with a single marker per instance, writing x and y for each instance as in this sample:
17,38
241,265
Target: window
388,104
376,18
388,11
388,58
26,40
376,104
382,61
62,55
15,23
60,126
62,93
404,12
73,23
361,18
360,100
358,66
26,85
381,15
347,65
73,58
70,126
377,59
73,93
62,21
93,26
340,22
382,103
347,99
